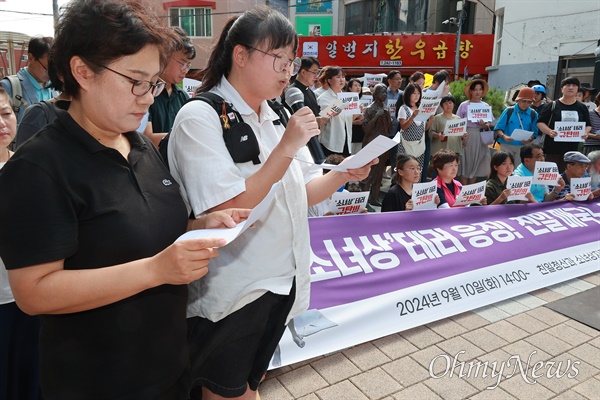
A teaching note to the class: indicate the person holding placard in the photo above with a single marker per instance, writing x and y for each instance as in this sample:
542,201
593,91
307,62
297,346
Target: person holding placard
398,198
436,132
358,134
518,121
412,132
576,167
592,143
567,108
446,164
501,167
475,160
336,132
530,154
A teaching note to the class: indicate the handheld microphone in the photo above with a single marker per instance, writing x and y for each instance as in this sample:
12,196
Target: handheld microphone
294,98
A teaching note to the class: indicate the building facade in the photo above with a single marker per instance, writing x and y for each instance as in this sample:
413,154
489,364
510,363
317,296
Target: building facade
204,20
544,40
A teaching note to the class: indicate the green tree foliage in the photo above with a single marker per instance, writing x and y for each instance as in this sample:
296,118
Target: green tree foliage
494,97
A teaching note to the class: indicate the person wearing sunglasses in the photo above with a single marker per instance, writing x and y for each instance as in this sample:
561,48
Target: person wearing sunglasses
90,215
33,78
166,105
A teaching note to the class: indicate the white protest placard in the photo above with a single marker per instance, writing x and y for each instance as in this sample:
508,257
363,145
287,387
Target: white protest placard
333,109
545,173
455,127
427,108
519,187
349,202
581,188
365,101
470,194
190,85
229,234
479,111
423,196
569,131
351,103
521,134
391,104
371,79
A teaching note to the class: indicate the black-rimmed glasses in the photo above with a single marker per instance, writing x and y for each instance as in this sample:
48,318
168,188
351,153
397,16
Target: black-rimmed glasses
140,87
281,61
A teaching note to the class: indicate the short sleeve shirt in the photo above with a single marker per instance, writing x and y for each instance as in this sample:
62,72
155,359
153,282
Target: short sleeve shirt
67,197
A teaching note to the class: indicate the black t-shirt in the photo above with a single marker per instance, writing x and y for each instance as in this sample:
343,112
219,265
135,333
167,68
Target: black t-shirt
395,199
66,196
549,117
310,99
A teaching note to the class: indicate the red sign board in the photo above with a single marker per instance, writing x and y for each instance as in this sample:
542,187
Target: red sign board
425,52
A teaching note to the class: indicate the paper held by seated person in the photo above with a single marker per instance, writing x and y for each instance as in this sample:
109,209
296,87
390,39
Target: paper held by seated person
230,234
521,134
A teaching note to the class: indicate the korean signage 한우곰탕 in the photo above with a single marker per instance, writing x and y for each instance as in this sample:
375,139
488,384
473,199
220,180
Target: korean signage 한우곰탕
423,51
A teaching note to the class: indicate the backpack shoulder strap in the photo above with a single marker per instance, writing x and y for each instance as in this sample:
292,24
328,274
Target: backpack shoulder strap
17,94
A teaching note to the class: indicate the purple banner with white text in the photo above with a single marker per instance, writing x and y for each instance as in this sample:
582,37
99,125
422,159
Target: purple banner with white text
376,274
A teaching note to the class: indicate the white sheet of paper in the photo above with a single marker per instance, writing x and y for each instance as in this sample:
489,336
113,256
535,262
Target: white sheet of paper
470,194
434,94
479,111
519,187
521,134
374,149
581,188
545,173
230,234
569,131
349,202
333,109
423,196
455,127
427,108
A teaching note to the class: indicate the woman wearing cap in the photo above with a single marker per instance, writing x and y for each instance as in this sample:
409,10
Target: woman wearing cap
539,97
520,116
475,160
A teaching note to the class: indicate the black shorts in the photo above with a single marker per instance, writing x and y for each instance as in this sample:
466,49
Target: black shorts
234,352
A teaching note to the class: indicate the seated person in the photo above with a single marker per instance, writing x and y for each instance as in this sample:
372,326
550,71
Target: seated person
501,167
531,153
445,163
398,198
576,165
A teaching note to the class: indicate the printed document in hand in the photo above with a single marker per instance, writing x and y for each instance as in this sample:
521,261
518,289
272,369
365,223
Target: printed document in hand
374,149
230,234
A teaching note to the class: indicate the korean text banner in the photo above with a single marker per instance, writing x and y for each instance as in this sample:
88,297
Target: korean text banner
376,274
424,51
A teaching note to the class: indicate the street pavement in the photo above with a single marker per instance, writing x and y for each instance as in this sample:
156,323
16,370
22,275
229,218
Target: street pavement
517,333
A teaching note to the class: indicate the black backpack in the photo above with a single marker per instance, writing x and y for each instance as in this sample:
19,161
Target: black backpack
238,136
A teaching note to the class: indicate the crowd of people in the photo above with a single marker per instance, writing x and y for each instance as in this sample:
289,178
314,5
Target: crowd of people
98,298
485,152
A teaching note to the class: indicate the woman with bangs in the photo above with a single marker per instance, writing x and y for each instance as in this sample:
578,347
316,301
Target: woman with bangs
336,132
260,281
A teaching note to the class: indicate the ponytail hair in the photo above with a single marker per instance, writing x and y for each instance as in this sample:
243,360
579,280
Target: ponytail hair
256,26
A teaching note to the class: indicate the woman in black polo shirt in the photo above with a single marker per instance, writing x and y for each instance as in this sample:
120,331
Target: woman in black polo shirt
89,215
